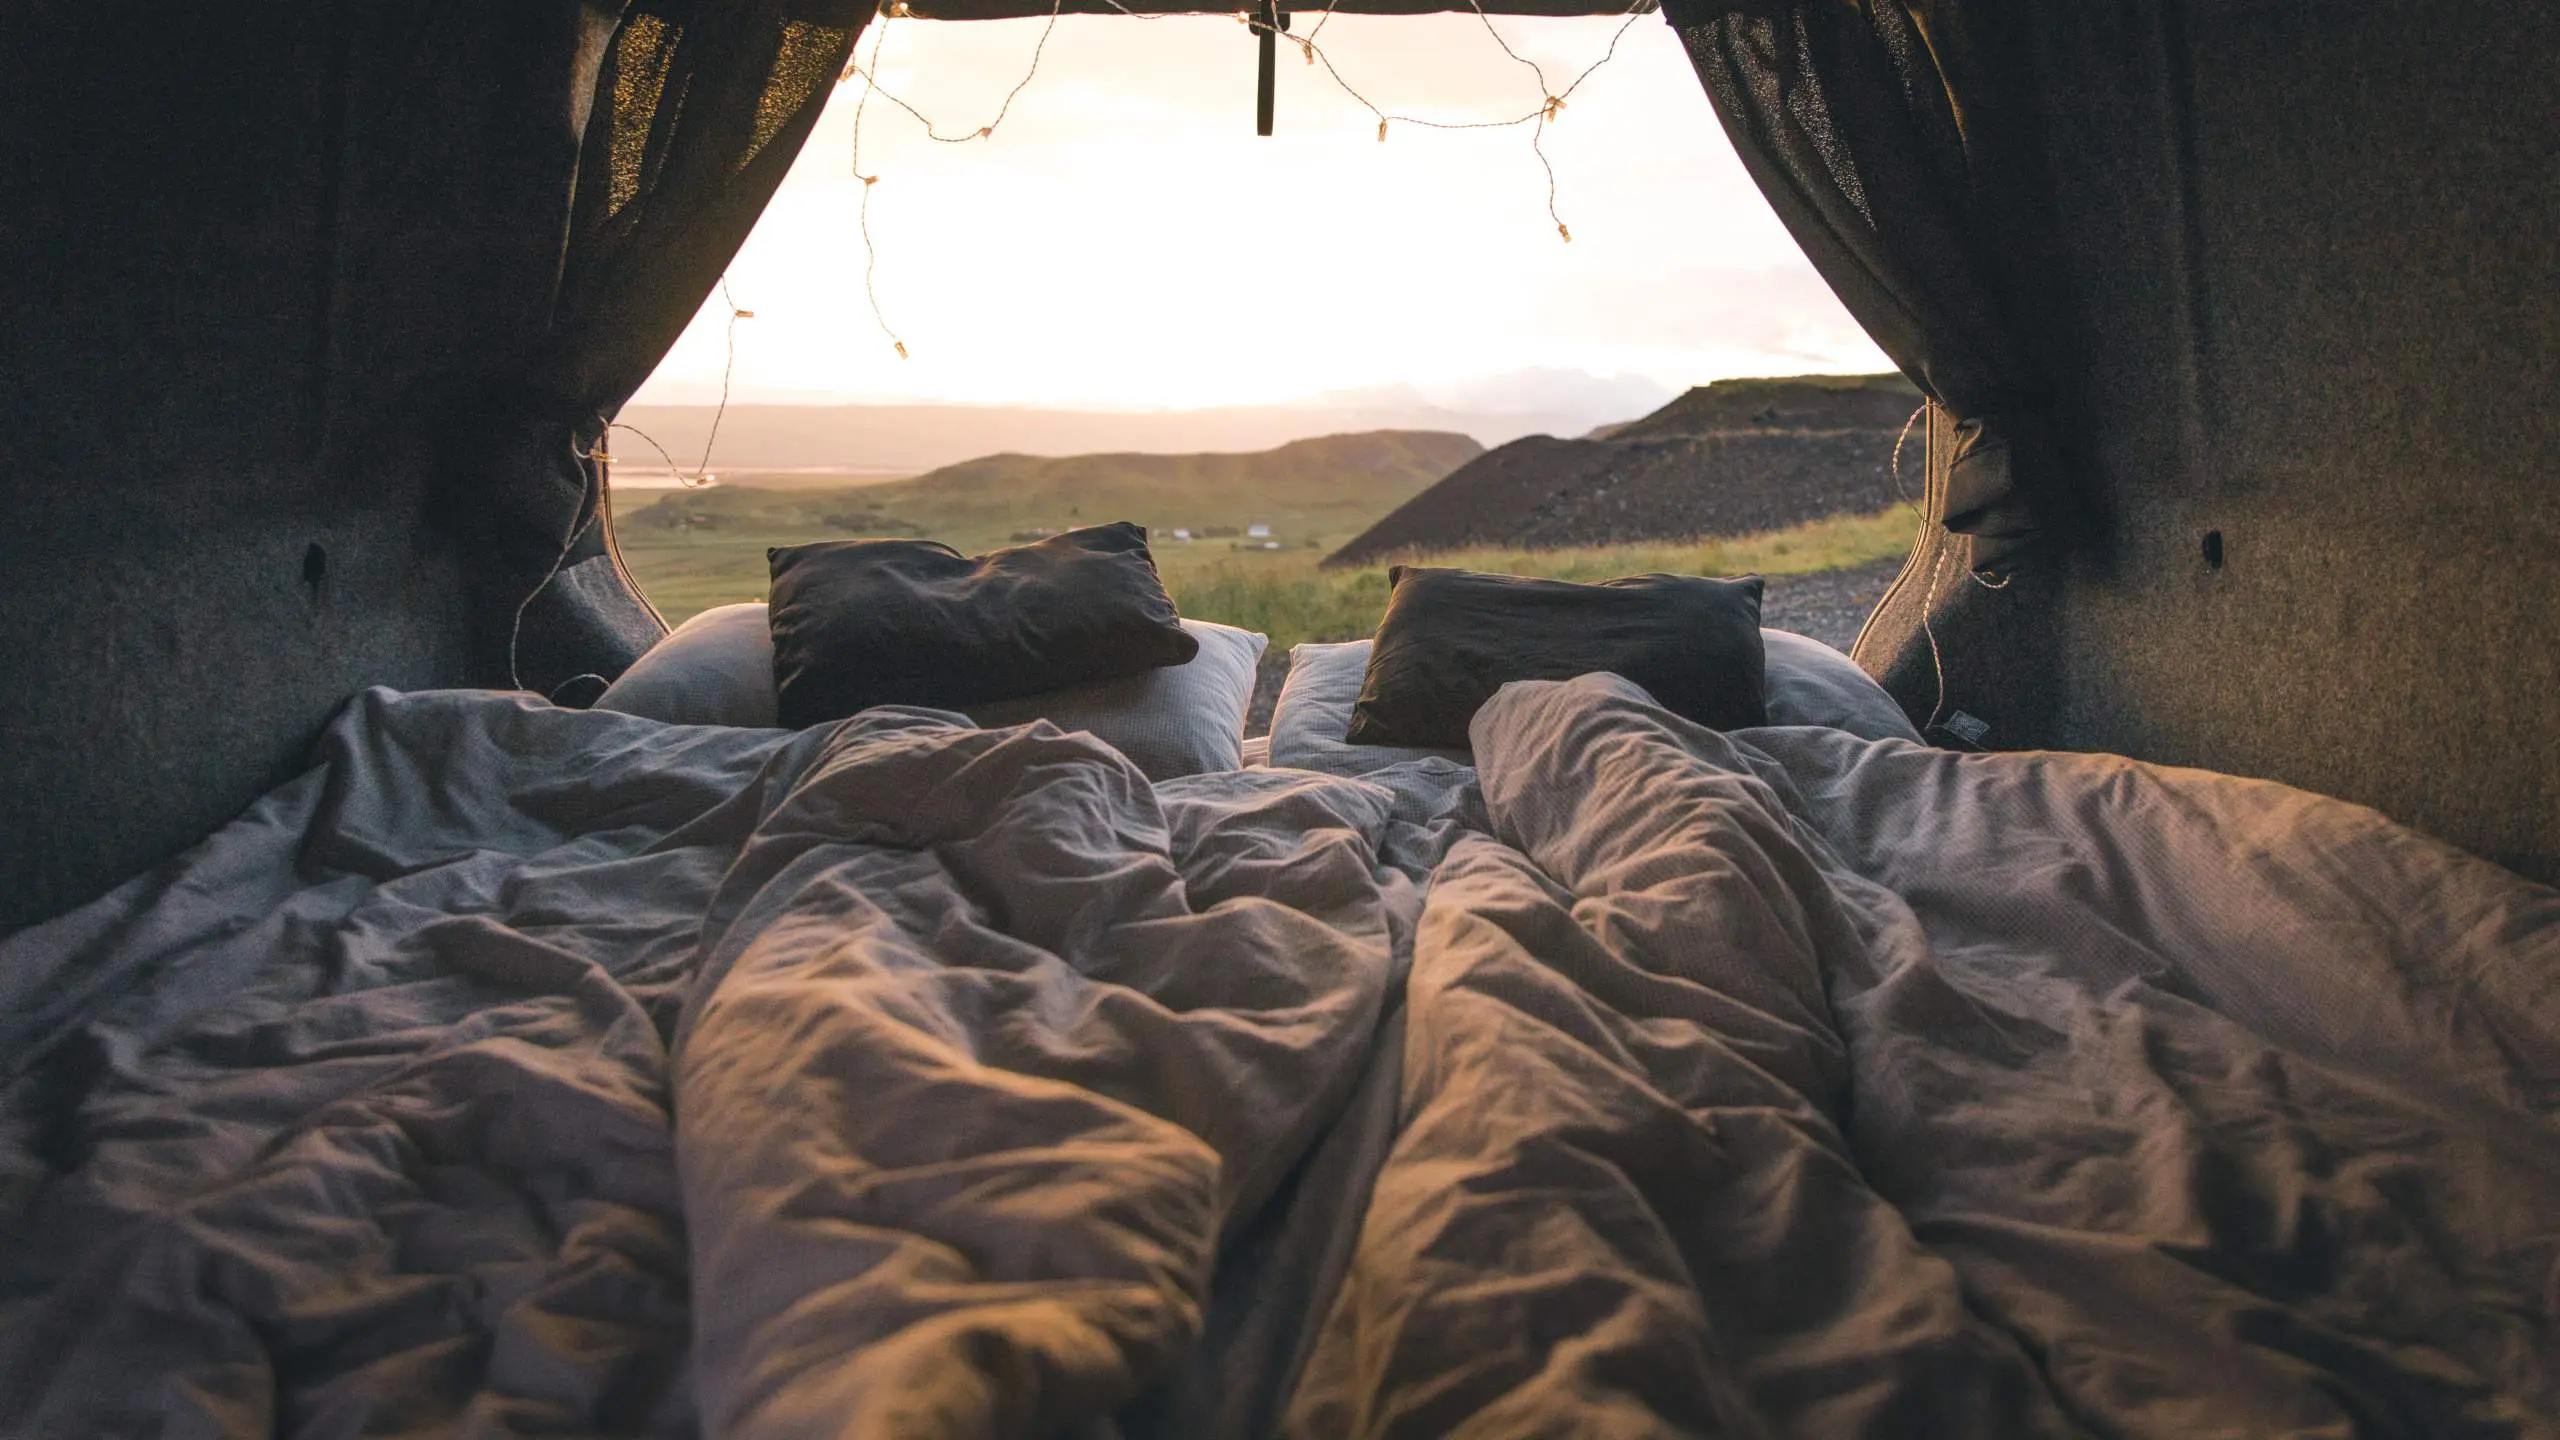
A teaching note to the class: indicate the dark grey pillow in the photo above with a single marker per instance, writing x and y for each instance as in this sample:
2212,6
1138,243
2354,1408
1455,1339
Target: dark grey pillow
858,623
1450,638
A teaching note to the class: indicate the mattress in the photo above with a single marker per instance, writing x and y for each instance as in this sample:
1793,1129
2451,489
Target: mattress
524,1071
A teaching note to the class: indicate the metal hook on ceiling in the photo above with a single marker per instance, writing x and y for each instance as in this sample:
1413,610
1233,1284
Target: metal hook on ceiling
1268,23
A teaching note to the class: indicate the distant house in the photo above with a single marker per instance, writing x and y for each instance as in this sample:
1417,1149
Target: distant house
1257,532
1181,534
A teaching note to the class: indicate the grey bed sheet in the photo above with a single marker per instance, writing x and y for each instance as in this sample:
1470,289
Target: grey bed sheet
521,1071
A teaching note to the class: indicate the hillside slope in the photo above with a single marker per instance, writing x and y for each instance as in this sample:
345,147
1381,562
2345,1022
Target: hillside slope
1731,458
1801,402
1315,489
787,445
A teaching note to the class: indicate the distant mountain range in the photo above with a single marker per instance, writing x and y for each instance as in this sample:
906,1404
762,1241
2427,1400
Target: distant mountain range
1723,459
1311,491
1729,458
836,445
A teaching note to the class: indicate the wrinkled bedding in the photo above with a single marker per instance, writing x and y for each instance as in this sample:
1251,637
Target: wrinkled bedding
522,1071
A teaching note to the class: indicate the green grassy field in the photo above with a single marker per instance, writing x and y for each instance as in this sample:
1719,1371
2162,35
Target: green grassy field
1281,593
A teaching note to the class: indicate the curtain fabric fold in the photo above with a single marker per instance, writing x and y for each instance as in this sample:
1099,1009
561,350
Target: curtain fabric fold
701,106
689,113
1872,130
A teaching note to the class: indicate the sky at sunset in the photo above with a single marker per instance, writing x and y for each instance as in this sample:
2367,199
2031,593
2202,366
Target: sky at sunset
1125,241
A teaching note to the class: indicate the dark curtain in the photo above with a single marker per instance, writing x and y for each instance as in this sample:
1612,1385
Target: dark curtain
1879,135
703,105
694,111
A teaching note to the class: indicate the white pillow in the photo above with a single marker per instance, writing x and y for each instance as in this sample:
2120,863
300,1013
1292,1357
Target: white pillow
1314,713
1185,719
714,669
717,669
1808,683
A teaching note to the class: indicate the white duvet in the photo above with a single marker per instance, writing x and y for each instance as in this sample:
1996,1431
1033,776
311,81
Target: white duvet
523,1072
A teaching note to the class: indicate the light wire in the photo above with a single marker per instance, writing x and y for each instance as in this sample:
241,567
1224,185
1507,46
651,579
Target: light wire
1551,104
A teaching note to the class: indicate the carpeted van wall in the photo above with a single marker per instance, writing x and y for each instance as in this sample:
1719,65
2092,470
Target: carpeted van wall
2308,308
244,252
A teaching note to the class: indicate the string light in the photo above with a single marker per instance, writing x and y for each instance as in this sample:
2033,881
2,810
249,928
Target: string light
870,76
1550,108
691,483
701,476
1928,628
515,630
862,215
1538,147
728,367
1899,489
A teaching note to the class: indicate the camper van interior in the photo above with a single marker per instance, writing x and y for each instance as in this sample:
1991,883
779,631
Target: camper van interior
2119,997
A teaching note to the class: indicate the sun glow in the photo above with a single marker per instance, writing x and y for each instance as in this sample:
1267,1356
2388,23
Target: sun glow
1126,242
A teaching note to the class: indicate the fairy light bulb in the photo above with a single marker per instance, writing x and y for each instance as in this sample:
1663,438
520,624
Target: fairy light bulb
900,9
1567,234
986,130
1382,131
902,348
